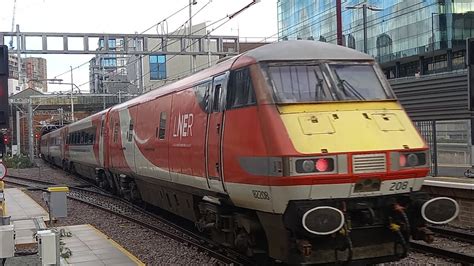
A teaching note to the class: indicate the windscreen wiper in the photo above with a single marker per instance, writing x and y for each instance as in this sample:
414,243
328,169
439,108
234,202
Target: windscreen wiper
319,85
345,84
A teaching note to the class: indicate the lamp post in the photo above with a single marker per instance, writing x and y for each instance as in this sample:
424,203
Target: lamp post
364,7
190,32
72,101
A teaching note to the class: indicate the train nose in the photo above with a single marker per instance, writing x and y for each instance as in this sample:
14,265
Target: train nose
323,220
440,210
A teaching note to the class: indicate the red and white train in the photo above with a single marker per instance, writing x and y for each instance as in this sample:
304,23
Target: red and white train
297,149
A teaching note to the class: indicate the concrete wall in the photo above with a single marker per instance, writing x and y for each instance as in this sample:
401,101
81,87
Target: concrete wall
465,198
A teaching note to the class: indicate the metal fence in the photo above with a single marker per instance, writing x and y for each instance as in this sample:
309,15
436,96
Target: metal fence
427,130
450,145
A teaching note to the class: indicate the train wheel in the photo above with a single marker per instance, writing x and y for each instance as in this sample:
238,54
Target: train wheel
134,193
102,181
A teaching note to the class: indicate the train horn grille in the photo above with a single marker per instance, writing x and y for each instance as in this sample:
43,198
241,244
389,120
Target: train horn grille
369,163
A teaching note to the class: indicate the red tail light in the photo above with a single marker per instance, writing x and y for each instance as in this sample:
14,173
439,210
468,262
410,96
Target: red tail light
322,165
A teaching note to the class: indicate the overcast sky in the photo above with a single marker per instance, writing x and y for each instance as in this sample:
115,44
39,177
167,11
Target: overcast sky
120,16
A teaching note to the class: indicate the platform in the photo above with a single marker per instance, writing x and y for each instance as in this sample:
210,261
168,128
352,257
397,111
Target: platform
450,182
20,206
89,246
460,189
26,215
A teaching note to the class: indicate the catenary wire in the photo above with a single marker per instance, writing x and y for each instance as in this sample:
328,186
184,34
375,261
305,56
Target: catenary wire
154,25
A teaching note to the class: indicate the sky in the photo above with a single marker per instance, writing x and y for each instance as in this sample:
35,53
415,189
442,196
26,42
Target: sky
121,16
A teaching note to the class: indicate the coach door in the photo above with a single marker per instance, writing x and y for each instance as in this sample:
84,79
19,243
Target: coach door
215,128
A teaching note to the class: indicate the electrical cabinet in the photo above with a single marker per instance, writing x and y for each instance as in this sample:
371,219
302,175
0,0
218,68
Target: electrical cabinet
48,247
7,241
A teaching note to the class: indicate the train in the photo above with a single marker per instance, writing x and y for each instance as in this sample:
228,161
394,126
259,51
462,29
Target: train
297,150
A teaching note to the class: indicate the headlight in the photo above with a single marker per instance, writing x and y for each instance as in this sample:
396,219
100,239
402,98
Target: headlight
323,220
402,160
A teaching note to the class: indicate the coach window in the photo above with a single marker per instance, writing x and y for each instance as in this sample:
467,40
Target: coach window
240,91
116,125
162,130
130,131
86,138
91,139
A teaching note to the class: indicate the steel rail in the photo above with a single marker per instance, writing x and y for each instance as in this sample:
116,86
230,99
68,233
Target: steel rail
214,253
457,256
28,180
458,234
188,236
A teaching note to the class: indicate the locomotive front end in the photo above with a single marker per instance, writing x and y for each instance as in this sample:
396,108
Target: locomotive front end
351,179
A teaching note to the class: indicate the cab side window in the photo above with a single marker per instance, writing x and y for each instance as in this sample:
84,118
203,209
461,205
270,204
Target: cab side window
240,91
202,95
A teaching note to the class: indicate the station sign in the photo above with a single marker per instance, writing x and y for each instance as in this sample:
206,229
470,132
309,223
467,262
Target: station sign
19,100
3,171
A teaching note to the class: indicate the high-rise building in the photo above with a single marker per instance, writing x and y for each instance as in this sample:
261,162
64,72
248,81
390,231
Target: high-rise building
36,73
406,37
12,74
12,66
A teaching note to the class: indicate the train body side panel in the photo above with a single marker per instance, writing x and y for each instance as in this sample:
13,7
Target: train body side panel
81,152
246,159
151,152
187,127
54,147
118,163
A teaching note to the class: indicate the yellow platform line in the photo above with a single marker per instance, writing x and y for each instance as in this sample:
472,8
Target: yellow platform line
118,246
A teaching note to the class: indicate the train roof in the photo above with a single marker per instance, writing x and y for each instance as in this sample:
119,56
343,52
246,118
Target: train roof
305,50
296,50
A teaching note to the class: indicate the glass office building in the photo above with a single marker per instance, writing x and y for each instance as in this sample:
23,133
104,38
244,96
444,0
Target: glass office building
426,36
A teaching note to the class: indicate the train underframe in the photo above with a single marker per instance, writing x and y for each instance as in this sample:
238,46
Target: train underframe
376,229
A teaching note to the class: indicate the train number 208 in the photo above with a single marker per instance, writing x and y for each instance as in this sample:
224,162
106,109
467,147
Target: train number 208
401,185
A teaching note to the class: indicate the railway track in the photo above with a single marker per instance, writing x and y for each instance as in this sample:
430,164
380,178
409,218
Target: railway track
457,235
453,233
463,258
99,199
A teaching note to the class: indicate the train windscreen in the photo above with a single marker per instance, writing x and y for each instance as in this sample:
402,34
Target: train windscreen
357,82
326,82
